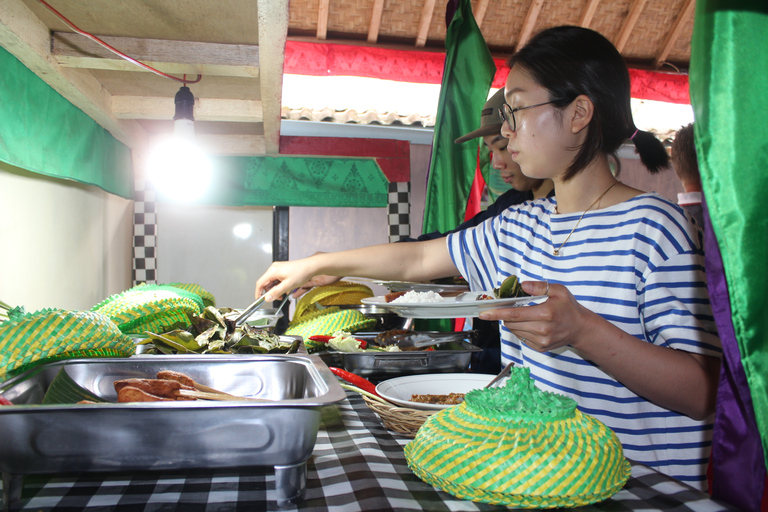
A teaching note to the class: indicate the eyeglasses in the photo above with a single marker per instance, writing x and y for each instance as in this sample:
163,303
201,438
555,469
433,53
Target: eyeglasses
507,113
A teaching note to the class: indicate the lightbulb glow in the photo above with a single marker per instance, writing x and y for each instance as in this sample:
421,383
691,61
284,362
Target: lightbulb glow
179,170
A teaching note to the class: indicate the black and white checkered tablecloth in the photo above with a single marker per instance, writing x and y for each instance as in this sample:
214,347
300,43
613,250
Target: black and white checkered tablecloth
357,465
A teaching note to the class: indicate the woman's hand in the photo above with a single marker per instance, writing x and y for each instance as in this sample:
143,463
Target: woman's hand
283,276
552,324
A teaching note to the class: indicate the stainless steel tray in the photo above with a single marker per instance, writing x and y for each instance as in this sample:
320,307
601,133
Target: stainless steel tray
279,432
450,357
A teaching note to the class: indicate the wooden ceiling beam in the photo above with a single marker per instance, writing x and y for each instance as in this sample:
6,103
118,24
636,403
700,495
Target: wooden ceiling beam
629,23
530,21
173,57
273,32
323,9
426,20
588,13
686,11
206,109
480,10
28,39
375,25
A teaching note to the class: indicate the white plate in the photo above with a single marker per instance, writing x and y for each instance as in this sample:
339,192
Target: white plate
405,286
399,390
465,305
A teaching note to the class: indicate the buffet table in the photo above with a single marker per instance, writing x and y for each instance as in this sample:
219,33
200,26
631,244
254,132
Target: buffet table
356,465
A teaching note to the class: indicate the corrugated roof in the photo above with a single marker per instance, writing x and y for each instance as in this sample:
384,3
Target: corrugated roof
352,116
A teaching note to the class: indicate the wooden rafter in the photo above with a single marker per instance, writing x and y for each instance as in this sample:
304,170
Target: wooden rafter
685,13
629,23
530,21
588,13
425,22
375,25
322,18
174,57
480,9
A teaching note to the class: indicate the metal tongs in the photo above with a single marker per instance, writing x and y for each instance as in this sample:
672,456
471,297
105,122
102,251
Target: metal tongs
421,340
247,312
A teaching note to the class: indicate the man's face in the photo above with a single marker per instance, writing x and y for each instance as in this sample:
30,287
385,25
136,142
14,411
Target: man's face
502,161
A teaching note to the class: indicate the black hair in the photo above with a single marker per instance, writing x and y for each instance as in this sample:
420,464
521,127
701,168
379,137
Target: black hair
569,61
684,156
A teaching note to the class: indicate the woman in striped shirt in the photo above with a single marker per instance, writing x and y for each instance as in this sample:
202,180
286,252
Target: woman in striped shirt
627,330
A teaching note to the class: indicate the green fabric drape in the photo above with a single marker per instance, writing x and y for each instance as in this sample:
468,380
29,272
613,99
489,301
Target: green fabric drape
729,66
297,181
467,78
44,133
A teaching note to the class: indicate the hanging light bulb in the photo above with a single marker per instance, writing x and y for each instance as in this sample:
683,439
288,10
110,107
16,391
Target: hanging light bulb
177,166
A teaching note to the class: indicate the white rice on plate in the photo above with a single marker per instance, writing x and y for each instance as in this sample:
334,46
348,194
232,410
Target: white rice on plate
414,297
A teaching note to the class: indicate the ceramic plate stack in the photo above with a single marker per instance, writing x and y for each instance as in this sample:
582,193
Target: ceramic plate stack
519,446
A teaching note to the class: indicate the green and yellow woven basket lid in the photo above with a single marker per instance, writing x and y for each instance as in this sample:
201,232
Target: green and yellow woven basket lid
30,339
519,446
156,308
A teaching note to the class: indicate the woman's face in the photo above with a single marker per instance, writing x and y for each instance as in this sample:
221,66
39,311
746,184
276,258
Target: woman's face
502,161
542,144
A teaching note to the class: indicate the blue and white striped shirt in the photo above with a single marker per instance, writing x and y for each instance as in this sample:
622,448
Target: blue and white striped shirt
639,265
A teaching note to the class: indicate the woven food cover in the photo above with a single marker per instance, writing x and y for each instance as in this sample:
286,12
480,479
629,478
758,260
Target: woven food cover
208,298
519,446
30,339
156,308
328,321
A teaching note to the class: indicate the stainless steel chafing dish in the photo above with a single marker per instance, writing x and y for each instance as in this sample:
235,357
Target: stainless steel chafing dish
449,357
279,432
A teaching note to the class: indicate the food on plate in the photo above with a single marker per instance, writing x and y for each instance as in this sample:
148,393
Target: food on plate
414,297
510,288
343,341
537,450
449,399
394,295
132,394
357,381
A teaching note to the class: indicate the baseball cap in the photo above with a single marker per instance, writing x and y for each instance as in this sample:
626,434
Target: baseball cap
490,121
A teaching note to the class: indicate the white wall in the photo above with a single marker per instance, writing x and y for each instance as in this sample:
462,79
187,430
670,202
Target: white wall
223,249
62,244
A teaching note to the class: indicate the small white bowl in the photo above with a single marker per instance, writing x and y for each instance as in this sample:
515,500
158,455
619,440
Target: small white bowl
400,390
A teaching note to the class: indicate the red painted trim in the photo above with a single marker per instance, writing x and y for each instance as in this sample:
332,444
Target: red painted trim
329,59
392,156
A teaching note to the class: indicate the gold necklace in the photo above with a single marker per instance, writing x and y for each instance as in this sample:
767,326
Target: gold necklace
556,252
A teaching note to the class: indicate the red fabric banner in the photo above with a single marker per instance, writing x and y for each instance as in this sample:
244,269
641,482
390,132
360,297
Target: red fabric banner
426,67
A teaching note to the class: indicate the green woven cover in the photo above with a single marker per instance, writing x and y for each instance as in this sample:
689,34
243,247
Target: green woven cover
155,308
519,446
51,334
327,321
205,295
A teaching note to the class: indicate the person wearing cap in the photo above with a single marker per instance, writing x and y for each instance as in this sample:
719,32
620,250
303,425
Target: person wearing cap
523,187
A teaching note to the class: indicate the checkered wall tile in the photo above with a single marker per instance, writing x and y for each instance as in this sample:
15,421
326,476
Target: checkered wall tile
144,233
399,213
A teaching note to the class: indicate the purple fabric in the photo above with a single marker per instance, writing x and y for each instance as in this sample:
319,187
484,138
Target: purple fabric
738,466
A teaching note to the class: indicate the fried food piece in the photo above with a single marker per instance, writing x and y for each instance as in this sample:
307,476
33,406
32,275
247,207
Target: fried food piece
392,296
178,377
133,394
449,399
158,387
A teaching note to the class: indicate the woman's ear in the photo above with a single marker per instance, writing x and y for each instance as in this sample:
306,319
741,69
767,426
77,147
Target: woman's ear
582,113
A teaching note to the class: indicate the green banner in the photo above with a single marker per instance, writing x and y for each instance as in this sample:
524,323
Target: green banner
297,181
729,66
43,132
467,78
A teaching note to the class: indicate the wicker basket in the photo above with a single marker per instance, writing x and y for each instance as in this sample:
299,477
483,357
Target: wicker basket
402,420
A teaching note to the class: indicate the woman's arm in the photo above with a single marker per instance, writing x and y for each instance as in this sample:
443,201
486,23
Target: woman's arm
413,261
681,381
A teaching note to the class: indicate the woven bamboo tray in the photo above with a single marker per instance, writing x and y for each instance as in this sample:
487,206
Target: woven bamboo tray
402,420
